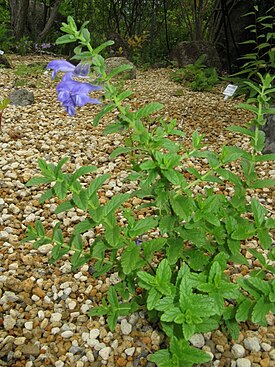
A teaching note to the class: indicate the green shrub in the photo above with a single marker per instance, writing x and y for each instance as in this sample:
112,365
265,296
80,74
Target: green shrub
196,76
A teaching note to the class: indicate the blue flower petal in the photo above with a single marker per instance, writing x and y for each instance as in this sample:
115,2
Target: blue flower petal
60,65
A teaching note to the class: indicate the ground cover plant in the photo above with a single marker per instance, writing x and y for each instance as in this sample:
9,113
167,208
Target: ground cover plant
196,76
178,277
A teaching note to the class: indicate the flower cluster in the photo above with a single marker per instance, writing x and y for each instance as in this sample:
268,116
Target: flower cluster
73,93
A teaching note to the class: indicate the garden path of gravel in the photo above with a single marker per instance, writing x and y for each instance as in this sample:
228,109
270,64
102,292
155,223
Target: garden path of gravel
43,308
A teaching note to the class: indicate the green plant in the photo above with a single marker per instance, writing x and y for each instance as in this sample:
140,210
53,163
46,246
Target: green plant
24,46
196,76
186,290
262,59
27,70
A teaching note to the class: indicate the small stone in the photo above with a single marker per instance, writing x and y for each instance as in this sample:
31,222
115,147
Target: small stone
238,351
45,249
72,305
105,353
252,344
9,322
20,340
59,364
28,325
121,362
265,362
126,328
67,334
266,347
243,362
130,351
31,349
197,340
55,330
94,333
272,354
90,356
56,317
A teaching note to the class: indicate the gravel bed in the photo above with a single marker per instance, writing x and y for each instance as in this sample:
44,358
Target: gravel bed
43,308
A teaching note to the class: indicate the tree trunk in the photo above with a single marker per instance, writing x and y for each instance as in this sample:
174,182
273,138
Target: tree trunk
18,17
51,19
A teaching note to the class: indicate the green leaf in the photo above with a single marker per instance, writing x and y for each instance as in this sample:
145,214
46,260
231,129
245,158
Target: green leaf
244,310
146,281
230,154
260,310
259,212
60,188
153,297
163,276
115,203
112,235
187,355
174,250
84,226
116,127
81,199
46,195
118,70
121,150
161,358
106,109
83,171
265,157
148,109
38,181
182,206
66,205
151,246
101,47
96,184
260,184
142,226
242,130
130,258
98,311
67,38
39,228
264,238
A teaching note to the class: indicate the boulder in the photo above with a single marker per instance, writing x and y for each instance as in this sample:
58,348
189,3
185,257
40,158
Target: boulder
4,61
269,130
114,62
21,97
186,53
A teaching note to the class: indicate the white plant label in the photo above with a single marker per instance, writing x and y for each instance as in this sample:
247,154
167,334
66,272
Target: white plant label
230,90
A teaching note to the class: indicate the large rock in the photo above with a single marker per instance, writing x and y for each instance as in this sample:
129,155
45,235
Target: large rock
5,62
21,97
186,53
269,130
114,62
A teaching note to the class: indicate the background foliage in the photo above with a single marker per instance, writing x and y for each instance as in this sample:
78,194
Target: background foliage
145,31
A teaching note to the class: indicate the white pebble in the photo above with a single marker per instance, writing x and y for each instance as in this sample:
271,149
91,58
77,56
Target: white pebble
72,305
126,328
28,325
55,330
67,334
266,347
59,364
238,351
197,340
252,344
105,353
56,317
90,356
94,333
130,351
243,362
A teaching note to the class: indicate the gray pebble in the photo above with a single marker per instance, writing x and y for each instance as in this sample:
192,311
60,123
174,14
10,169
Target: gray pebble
252,344
243,362
197,340
126,328
238,351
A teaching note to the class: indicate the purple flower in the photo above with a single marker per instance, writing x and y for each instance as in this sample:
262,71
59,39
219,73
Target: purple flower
72,93
62,65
